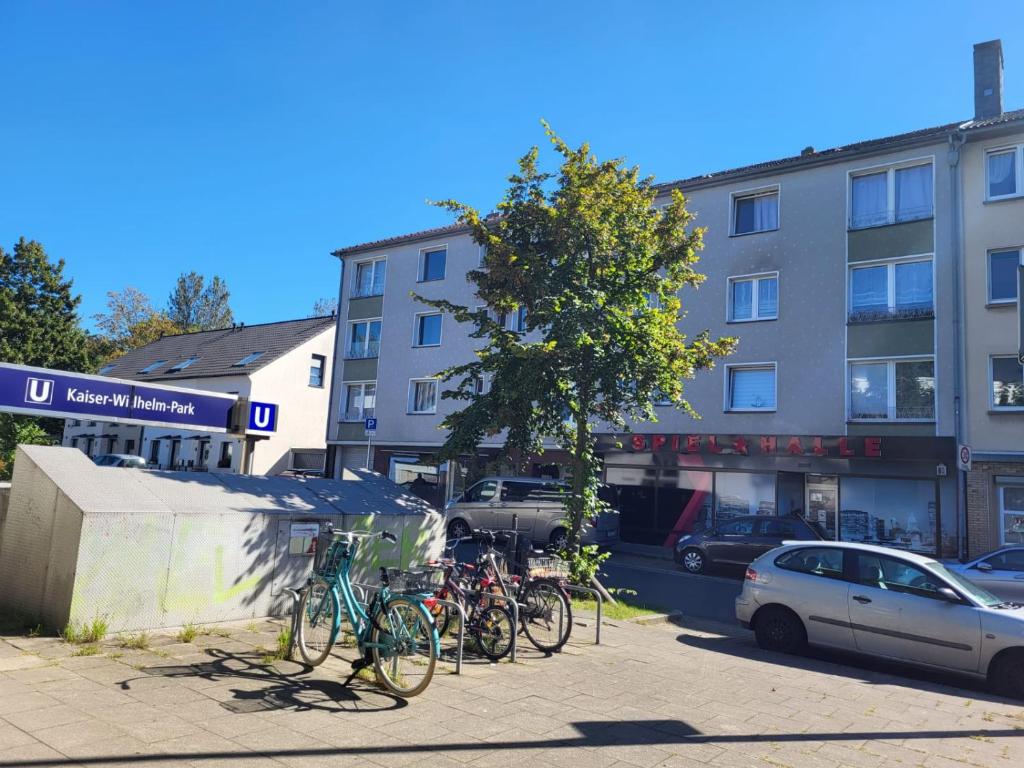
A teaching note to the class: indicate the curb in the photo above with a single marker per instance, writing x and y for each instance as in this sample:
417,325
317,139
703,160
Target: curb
672,617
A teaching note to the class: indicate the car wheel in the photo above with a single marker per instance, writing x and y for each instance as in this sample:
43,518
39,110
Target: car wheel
693,561
458,529
1006,674
779,629
559,539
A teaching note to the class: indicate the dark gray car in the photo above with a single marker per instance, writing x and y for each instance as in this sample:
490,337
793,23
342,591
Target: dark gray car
740,541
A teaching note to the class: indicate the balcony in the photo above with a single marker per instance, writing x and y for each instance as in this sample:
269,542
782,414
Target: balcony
885,218
884,314
357,414
365,291
365,351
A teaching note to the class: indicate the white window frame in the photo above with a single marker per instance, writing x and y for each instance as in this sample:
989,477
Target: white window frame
988,268
746,194
1001,486
890,191
1018,165
423,263
344,400
730,367
991,380
411,402
890,386
517,320
366,350
482,385
355,293
416,330
890,278
755,278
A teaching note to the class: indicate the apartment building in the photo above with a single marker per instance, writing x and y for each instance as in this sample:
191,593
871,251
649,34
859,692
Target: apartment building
837,269
284,363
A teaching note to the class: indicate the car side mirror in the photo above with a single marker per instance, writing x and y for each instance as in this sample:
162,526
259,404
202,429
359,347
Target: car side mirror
949,595
984,567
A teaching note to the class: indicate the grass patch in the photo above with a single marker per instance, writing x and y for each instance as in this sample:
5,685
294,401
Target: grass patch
284,643
138,642
86,650
626,606
84,634
253,627
188,633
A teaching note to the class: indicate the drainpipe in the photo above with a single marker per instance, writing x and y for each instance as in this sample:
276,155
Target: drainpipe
330,459
956,142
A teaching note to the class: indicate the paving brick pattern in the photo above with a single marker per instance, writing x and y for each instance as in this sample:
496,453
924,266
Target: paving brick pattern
660,695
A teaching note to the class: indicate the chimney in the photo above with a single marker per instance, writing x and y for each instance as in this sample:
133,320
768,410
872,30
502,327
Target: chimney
988,79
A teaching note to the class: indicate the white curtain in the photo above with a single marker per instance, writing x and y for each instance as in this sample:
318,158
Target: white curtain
742,300
1002,174
870,205
913,192
869,289
914,285
766,212
380,269
424,396
364,279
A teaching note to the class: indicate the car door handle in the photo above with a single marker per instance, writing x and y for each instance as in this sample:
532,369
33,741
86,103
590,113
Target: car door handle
861,599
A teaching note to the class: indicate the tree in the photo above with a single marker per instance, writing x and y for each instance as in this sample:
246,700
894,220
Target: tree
130,322
598,271
38,326
325,306
195,306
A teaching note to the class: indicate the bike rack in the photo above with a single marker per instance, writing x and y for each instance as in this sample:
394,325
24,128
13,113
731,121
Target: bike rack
296,596
462,631
515,616
597,597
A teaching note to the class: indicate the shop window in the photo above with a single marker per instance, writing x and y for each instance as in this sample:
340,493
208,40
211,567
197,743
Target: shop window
743,493
684,503
1011,513
889,512
636,504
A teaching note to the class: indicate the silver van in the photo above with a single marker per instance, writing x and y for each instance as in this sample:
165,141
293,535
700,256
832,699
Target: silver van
492,502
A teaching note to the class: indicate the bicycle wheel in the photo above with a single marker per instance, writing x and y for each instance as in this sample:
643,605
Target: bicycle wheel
319,612
493,629
404,646
546,615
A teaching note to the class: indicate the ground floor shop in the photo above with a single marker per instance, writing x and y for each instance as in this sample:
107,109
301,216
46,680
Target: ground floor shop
896,492
995,502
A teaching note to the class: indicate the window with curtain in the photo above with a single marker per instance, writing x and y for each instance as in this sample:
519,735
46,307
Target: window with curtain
913,193
1002,276
369,280
893,290
360,400
752,388
870,205
1007,383
913,285
1001,168
754,298
891,196
869,289
423,396
756,213
364,340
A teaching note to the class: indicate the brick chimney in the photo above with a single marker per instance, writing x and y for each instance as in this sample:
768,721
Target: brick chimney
988,79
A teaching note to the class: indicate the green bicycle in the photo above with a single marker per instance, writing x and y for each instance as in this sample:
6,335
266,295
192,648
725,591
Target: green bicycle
395,632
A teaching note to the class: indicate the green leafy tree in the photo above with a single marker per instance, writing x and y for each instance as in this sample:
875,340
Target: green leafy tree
38,326
597,271
195,305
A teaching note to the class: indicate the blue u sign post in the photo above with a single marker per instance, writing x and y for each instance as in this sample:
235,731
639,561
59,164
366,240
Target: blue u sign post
262,417
61,394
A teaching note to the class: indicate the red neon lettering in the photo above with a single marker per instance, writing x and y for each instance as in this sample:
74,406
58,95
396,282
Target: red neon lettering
819,448
844,449
693,443
657,442
794,447
739,445
639,443
675,443
713,444
873,447
768,445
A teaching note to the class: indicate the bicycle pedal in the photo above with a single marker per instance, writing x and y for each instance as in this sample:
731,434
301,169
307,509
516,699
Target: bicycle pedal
362,663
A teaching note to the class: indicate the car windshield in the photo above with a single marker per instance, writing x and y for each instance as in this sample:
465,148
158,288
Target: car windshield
983,596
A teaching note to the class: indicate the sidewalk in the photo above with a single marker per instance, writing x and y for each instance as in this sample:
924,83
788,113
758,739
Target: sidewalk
648,696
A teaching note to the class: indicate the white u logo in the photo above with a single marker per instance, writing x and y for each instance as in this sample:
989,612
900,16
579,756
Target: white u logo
261,416
39,391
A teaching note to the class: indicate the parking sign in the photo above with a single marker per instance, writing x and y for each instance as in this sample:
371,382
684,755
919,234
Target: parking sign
370,426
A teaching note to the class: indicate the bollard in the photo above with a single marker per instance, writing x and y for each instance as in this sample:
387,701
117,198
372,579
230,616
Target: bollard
598,598
462,631
296,596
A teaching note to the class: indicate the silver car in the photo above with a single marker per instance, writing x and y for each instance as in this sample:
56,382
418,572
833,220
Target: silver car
1000,572
535,504
882,602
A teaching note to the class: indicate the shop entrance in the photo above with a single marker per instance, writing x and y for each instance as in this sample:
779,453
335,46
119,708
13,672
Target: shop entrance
822,507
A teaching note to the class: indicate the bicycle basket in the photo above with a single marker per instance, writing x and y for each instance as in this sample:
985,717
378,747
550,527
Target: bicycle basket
329,555
547,568
420,582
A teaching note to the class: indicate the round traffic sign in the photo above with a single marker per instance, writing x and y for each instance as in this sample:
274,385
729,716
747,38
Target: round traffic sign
965,454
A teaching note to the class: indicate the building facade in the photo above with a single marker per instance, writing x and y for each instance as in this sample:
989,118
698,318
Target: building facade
286,363
836,269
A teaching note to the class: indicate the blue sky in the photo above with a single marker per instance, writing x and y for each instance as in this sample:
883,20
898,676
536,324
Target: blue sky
249,139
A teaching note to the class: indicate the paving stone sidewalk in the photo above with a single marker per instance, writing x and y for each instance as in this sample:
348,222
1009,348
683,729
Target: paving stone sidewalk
660,695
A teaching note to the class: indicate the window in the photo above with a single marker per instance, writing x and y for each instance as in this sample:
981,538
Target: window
152,366
753,298
308,460
480,385
757,212
107,368
1011,560
895,575
316,371
482,491
1011,512
252,357
519,320
816,561
889,512
154,452
894,290
741,494
891,196
432,264
227,452
775,528
369,280
1003,169
1002,276
751,387
360,401
1007,384
363,340
483,256
423,396
182,365
892,390
129,447
428,331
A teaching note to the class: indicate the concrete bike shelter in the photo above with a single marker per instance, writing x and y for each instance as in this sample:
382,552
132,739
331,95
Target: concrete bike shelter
149,550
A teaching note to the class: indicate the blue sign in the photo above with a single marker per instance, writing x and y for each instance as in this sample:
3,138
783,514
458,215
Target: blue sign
45,392
371,425
262,417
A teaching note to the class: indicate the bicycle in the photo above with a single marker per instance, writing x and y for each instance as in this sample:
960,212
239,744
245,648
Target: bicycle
395,632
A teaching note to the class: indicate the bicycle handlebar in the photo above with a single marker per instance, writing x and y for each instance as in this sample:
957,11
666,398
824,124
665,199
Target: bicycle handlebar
384,535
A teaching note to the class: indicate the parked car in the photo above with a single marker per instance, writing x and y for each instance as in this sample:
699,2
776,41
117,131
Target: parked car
885,603
1000,572
539,504
739,540
119,460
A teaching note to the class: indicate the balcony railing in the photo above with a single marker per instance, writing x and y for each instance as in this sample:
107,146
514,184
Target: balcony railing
881,314
363,351
363,291
357,414
884,218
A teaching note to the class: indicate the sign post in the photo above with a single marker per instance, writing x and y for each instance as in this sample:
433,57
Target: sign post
1020,310
370,429
963,458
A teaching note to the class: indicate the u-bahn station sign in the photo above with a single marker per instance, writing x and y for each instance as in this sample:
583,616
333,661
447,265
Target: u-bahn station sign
45,392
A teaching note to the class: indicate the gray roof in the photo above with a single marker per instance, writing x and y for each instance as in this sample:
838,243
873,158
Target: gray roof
218,351
835,154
